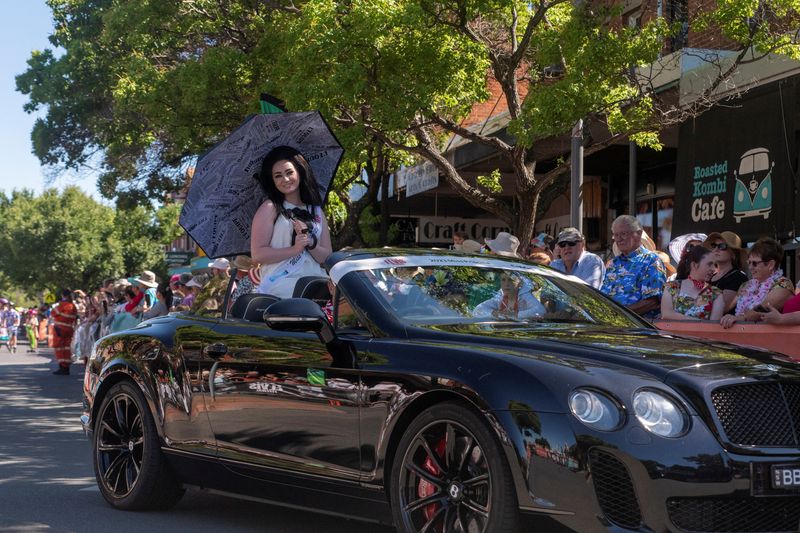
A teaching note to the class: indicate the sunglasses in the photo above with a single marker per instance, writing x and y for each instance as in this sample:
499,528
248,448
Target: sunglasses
719,246
563,244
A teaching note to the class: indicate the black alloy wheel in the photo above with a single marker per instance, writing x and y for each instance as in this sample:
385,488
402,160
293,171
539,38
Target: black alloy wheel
120,445
130,469
449,475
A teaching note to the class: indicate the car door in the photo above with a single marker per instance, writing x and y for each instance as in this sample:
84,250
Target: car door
281,399
180,375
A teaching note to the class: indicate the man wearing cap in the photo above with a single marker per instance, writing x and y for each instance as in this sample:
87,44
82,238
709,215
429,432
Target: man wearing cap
636,277
576,261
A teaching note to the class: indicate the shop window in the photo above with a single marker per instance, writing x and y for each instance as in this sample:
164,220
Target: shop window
655,216
664,221
644,214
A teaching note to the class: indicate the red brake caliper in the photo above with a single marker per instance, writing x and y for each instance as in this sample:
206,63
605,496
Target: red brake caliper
425,488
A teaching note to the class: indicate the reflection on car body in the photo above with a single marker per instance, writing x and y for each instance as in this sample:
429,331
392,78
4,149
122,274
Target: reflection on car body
434,418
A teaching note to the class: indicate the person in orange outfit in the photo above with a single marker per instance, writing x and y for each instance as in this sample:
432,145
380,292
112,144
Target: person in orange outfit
64,317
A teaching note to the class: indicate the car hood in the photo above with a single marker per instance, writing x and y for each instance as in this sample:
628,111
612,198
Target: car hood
662,355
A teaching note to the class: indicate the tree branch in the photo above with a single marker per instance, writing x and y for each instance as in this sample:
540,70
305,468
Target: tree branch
458,129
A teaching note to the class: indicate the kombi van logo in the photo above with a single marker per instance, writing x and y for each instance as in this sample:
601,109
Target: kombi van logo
752,196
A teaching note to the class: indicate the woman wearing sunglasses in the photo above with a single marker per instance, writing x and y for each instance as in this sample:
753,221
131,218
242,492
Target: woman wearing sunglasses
726,248
768,288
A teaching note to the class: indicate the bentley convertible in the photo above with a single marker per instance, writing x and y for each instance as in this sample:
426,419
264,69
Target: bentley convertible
448,393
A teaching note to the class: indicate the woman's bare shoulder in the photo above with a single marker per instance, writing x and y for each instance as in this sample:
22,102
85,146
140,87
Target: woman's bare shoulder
267,208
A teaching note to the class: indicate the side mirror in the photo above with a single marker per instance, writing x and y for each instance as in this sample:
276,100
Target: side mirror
299,314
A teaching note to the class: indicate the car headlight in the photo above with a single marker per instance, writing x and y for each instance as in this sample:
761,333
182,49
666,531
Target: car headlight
595,409
659,414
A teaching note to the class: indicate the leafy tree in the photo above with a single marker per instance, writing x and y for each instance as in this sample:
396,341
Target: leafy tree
142,86
143,233
409,72
68,239
57,240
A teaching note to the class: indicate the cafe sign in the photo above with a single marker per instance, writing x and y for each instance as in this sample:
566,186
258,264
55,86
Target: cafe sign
733,163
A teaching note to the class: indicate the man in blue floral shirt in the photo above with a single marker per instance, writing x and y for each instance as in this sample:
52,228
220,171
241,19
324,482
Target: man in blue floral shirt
635,278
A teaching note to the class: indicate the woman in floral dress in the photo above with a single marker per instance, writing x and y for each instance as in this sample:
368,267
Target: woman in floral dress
690,296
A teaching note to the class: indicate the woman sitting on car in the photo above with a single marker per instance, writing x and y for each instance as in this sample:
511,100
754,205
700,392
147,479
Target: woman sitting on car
690,296
768,286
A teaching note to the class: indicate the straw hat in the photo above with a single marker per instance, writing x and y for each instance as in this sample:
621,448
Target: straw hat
734,242
731,239
243,262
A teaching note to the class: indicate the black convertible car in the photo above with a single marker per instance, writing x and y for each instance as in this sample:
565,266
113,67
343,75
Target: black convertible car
449,393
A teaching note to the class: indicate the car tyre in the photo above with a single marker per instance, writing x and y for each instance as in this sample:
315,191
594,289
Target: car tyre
130,469
450,475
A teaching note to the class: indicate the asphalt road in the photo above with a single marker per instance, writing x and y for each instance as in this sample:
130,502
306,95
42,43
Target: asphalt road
47,482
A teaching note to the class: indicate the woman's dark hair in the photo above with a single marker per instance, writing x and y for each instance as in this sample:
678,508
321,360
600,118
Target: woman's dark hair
66,294
309,189
769,250
129,292
166,292
695,254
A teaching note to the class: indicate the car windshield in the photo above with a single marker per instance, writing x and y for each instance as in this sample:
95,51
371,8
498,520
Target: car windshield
456,294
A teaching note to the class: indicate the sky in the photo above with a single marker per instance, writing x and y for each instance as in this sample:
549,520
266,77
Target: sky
25,27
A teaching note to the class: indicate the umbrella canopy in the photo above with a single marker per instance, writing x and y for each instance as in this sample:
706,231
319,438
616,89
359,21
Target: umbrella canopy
224,196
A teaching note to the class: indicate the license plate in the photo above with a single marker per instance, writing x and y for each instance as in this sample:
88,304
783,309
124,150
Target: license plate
786,476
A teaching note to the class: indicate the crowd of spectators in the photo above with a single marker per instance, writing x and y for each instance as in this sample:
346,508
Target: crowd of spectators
705,277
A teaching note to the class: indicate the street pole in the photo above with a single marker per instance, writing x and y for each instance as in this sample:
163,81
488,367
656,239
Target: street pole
631,178
576,181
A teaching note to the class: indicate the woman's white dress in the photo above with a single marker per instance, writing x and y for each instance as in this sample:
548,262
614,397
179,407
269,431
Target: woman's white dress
279,279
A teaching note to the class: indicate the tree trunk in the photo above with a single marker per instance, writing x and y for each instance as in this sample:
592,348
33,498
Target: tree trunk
350,233
383,234
523,228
